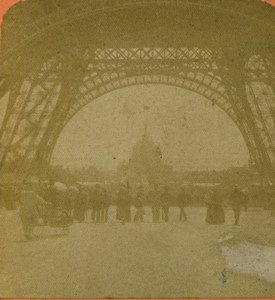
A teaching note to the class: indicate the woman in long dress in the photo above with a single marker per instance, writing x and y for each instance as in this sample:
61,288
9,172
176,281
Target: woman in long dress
215,211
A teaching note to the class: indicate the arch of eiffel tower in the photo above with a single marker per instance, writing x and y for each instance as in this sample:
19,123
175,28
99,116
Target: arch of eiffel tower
59,55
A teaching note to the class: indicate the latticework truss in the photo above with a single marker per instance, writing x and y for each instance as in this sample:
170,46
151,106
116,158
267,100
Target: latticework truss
47,89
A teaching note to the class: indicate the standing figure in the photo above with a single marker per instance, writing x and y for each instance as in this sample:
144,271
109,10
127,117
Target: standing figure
71,195
215,212
165,198
139,205
106,205
97,204
92,204
237,201
124,205
31,206
155,199
183,200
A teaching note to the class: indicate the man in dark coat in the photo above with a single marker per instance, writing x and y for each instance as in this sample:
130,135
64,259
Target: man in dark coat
139,200
98,205
92,204
237,198
183,200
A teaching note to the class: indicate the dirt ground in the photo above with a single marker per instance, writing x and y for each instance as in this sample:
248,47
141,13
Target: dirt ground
132,260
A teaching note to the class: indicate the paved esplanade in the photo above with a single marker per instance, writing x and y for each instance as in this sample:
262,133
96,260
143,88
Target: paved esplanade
134,260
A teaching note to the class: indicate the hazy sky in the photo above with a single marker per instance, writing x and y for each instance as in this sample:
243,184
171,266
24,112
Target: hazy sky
192,134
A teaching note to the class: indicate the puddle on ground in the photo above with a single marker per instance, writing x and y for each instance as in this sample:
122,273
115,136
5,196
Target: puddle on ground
251,259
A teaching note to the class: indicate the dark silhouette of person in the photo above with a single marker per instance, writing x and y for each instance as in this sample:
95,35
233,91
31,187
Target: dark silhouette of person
139,205
155,199
215,211
98,204
237,201
92,204
165,198
71,195
183,200
106,205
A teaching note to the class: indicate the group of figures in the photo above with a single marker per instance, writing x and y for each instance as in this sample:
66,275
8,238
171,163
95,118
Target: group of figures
92,204
157,199
215,210
160,204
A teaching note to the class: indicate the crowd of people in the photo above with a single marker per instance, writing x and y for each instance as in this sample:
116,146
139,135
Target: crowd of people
215,210
92,204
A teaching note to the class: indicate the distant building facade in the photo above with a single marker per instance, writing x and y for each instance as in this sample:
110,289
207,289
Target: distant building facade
146,164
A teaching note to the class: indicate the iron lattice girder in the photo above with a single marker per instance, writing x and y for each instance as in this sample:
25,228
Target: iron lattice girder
29,114
41,101
100,86
120,64
246,106
28,133
119,74
190,54
101,83
187,58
